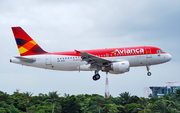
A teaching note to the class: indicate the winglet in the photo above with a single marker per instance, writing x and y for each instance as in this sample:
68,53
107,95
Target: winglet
77,51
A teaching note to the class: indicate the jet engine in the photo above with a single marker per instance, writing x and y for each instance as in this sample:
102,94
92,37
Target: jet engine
117,67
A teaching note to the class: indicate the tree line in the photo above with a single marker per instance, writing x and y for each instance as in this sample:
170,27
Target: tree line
85,103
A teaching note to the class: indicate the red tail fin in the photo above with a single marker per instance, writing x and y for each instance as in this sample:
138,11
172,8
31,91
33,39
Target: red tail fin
25,44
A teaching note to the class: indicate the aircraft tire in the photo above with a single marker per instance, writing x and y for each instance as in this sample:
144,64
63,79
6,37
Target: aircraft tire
149,73
96,77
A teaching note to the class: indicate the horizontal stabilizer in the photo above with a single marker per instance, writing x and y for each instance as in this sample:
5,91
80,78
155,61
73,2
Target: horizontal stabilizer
25,59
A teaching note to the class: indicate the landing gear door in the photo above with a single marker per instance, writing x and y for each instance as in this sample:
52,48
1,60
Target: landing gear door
148,53
48,60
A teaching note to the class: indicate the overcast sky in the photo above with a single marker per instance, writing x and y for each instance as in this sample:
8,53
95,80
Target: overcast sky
58,25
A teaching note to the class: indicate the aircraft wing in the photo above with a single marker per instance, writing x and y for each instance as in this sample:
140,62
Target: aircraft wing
93,60
25,59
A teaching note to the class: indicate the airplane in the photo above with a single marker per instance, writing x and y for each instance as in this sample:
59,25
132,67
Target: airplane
113,60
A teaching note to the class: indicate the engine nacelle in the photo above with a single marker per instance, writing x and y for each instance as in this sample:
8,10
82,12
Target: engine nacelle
119,67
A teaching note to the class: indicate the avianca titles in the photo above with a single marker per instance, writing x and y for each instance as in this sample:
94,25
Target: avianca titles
114,60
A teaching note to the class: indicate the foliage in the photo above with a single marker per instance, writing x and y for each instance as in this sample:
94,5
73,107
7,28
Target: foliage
53,98
130,107
52,102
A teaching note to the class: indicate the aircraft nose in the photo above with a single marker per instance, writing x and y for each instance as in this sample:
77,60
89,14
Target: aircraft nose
169,57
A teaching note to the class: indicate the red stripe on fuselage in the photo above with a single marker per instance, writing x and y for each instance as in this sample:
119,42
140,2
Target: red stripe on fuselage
114,52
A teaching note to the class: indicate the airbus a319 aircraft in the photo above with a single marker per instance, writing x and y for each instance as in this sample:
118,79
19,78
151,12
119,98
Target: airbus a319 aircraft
113,61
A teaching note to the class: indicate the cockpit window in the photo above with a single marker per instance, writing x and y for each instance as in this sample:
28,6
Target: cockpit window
160,51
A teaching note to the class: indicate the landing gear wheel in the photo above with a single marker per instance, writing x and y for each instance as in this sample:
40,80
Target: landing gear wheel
96,77
149,73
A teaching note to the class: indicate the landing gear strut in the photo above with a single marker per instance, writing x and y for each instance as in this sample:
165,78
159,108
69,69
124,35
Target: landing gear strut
149,73
96,76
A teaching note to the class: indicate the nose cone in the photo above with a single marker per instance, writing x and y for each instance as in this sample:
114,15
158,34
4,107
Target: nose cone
168,56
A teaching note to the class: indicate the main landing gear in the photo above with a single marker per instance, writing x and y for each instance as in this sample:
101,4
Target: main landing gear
149,73
96,76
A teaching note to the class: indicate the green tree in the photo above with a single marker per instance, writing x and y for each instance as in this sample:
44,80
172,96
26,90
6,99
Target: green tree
3,96
26,97
148,108
177,94
18,101
174,107
168,96
44,109
130,107
117,100
110,108
163,106
125,98
70,104
145,111
153,99
13,109
54,98
99,101
85,104
32,109
121,109
6,108
134,99
96,103
143,102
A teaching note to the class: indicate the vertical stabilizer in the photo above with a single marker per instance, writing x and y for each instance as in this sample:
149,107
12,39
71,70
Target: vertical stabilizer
25,44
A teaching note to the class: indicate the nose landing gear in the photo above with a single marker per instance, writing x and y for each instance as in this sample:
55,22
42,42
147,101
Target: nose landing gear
149,73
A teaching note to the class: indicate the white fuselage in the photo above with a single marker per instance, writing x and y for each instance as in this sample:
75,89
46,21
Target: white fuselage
75,63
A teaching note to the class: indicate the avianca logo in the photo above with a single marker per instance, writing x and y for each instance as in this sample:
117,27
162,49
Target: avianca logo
129,51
